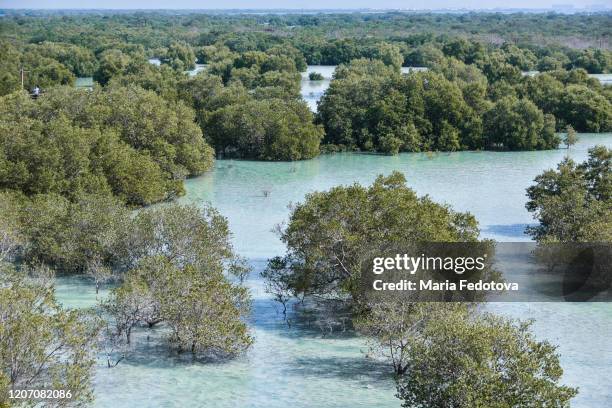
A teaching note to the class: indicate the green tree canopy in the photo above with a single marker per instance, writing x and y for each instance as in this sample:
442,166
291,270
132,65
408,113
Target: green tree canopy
127,141
268,129
462,360
515,124
574,202
180,56
43,346
369,106
574,98
182,271
329,233
204,311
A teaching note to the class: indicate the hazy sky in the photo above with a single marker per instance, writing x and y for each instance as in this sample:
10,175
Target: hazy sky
295,4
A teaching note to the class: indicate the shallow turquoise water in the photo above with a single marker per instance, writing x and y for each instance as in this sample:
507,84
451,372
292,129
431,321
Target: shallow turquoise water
298,366
491,185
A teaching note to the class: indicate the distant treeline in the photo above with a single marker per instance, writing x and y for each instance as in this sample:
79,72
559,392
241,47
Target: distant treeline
159,28
146,127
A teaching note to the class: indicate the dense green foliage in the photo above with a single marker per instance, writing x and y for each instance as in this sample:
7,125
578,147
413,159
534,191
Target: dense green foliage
43,346
176,264
448,354
573,98
519,125
122,140
259,57
45,65
458,360
544,40
202,309
67,235
247,104
271,129
574,202
443,354
179,264
179,56
370,106
329,234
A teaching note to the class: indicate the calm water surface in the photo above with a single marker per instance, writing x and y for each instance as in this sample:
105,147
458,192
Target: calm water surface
298,366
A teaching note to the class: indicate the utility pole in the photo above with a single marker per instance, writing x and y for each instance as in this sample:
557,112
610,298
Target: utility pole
22,72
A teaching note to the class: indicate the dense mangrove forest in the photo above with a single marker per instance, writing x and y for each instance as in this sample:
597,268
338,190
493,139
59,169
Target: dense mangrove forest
188,222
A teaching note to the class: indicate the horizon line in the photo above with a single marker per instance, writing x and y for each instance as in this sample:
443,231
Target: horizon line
595,7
